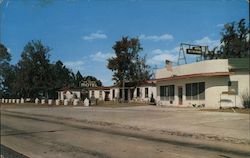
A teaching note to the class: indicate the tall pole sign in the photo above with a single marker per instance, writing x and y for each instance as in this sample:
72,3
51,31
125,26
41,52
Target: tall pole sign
192,50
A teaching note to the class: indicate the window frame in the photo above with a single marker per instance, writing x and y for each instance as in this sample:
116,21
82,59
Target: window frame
167,92
195,91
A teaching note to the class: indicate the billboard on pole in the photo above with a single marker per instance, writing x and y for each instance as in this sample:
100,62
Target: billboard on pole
195,50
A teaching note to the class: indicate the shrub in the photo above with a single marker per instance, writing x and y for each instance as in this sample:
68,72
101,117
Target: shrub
245,99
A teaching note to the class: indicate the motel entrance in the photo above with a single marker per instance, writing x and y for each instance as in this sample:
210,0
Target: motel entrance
180,94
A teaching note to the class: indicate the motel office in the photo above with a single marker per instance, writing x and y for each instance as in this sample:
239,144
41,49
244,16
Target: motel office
210,84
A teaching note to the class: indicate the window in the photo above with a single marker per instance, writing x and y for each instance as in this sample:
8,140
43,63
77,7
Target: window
167,92
92,94
195,91
146,92
188,92
202,90
138,92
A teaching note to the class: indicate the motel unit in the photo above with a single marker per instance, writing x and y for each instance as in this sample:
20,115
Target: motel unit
209,83
101,93
71,93
140,93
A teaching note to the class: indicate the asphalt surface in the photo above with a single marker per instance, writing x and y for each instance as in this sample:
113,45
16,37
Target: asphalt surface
45,136
9,153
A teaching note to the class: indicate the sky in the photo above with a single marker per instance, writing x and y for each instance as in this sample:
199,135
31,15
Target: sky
81,33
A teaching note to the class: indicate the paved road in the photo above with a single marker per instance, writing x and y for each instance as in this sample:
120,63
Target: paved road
9,153
232,127
45,137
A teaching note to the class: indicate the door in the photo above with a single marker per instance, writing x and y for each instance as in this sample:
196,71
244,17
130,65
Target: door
180,95
126,94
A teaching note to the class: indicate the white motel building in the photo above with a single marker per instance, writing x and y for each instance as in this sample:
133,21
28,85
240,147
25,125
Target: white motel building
141,93
209,83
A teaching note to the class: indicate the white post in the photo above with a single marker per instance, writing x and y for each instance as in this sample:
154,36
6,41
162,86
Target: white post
36,101
13,100
57,102
86,102
65,102
50,101
17,101
43,101
75,102
22,100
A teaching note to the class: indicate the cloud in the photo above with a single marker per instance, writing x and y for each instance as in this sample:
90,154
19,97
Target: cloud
94,36
9,50
164,37
75,65
99,56
220,25
206,41
159,56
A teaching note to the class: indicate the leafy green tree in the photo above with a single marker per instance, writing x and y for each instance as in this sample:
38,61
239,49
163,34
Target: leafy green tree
62,77
7,73
5,56
92,78
235,40
127,65
34,78
78,79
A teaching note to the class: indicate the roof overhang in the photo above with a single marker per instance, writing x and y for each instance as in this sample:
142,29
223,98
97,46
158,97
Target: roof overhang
99,88
212,74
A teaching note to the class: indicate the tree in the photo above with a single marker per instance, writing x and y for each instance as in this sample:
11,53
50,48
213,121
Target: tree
78,78
92,78
34,78
7,73
235,40
127,65
61,76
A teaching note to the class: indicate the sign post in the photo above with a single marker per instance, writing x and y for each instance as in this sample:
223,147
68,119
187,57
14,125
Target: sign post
191,49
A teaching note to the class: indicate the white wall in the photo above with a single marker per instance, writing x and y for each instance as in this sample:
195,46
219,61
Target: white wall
151,89
207,66
142,97
116,93
214,86
68,95
97,94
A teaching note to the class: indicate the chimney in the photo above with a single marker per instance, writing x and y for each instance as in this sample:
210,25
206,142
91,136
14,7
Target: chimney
168,65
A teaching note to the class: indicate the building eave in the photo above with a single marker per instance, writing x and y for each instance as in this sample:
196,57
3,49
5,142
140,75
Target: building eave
99,88
213,74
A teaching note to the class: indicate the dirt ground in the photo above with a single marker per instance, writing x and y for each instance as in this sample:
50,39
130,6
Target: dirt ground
232,110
